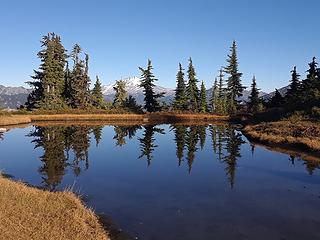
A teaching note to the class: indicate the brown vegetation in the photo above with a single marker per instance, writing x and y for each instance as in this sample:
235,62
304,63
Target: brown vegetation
14,119
30,213
303,134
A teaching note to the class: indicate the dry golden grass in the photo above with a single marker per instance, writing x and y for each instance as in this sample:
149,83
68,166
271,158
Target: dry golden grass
303,133
30,213
86,117
6,120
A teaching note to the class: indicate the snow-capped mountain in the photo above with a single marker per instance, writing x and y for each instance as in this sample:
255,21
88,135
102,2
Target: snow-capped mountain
133,88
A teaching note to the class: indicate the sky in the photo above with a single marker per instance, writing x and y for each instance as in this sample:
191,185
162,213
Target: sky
120,35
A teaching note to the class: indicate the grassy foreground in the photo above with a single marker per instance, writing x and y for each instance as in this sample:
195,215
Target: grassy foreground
30,213
304,134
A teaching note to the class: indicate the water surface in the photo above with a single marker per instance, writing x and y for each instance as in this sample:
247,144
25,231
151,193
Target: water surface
172,181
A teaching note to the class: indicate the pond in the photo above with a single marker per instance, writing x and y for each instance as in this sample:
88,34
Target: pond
172,181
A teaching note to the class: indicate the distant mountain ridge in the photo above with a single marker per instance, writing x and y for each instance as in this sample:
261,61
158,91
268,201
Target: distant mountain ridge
13,97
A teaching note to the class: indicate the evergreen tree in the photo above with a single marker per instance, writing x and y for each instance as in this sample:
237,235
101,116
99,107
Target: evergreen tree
214,97
234,86
192,88
131,104
97,95
203,107
180,92
48,84
151,99
121,94
311,85
221,106
277,100
293,94
67,85
80,95
254,100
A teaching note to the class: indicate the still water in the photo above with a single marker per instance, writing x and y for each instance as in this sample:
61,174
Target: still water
172,181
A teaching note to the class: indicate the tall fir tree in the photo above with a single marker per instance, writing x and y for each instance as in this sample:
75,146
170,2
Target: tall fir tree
293,95
311,85
203,107
121,94
151,99
97,95
254,100
221,106
234,85
192,88
180,100
214,97
80,81
277,100
67,85
48,84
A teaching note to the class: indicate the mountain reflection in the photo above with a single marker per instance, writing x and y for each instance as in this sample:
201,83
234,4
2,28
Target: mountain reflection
67,147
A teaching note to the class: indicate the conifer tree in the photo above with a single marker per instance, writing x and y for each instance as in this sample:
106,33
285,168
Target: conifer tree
48,84
192,88
67,85
234,86
277,100
254,100
221,106
132,105
214,97
203,99
180,92
97,95
311,85
121,94
151,99
80,95
293,94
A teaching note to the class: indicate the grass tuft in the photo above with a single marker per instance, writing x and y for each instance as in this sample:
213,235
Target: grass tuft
30,213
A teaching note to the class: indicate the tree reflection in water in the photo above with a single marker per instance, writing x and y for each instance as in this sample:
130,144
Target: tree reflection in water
147,142
68,147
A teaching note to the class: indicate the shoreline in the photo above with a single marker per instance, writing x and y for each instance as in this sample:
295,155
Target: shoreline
303,135
28,212
16,119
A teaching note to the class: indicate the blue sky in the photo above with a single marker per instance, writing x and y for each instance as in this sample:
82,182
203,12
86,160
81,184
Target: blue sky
120,35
